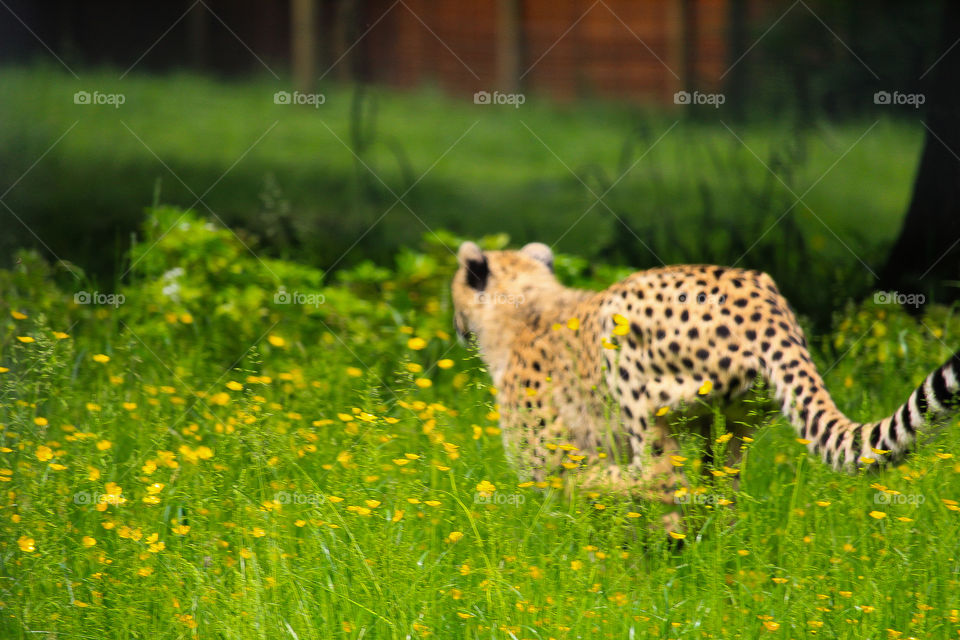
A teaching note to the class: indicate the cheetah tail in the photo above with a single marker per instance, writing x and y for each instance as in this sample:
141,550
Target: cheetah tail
849,445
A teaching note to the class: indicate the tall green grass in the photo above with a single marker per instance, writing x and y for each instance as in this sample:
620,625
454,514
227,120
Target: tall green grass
205,460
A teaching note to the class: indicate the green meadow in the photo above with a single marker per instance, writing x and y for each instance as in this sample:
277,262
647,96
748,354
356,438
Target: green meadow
226,445
388,167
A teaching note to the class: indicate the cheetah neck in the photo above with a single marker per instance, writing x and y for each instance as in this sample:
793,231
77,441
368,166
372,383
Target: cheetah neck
506,334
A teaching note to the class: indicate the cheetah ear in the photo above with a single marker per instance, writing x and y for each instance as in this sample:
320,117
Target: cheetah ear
540,252
472,259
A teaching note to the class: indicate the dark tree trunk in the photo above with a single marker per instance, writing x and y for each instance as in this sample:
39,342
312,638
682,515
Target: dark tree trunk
926,256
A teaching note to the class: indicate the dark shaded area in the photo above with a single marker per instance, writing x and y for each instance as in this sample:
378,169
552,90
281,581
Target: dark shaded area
926,256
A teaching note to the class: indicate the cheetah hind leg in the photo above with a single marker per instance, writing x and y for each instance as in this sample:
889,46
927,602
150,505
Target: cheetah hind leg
655,479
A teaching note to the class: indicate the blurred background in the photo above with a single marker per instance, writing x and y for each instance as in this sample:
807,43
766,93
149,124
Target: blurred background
816,140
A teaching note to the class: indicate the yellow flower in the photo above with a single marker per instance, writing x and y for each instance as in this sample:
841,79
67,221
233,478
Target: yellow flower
432,503
373,504
60,335
181,529
25,339
823,503
743,552
633,514
705,388
454,536
130,406
485,486
103,445
677,536
354,372
276,340
424,383
621,330
101,358
88,541
145,571
416,343
397,516
780,580
16,315
879,515
573,324
44,453
26,544
257,532
334,499
662,411
771,625
446,363
234,385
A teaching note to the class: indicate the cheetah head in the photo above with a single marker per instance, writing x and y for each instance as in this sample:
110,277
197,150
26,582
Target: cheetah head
493,286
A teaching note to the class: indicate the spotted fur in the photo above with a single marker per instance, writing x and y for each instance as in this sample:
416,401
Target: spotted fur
658,340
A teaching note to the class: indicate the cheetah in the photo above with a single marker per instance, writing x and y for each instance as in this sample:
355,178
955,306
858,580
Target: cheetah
585,379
